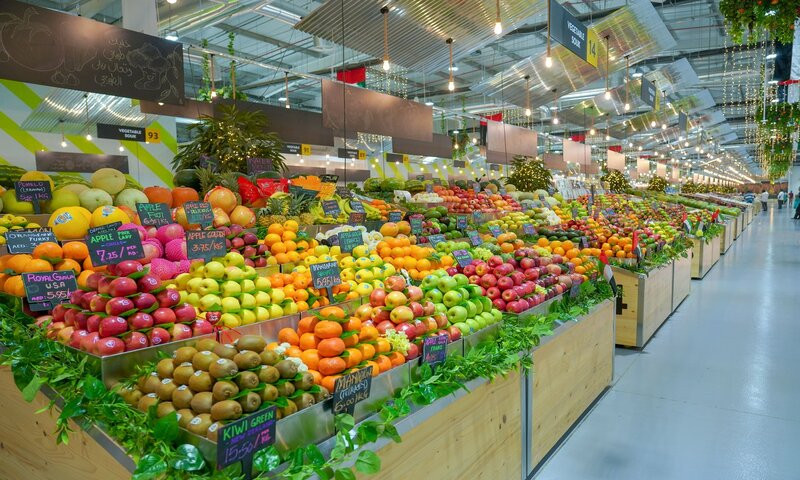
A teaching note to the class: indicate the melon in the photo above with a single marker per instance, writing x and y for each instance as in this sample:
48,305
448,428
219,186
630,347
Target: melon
94,198
69,223
130,197
62,198
110,180
76,188
108,214
12,205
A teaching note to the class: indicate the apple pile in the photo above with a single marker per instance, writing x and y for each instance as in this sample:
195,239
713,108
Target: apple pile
237,239
405,309
521,281
466,307
469,201
124,310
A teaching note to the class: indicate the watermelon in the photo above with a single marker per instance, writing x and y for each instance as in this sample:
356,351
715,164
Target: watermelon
187,178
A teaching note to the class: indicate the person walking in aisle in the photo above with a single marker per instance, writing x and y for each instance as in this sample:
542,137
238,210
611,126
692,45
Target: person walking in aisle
764,200
796,205
781,199
791,198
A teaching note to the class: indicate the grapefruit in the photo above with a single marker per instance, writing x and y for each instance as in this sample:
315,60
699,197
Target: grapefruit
69,223
107,214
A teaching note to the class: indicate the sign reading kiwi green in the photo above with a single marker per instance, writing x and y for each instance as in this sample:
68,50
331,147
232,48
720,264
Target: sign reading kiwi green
238,441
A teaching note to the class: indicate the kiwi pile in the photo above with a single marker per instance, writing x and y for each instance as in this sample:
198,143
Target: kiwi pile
212,383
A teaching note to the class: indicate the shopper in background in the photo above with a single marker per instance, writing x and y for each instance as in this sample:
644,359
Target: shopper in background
791,198
796,205
749,197
764,200
781,199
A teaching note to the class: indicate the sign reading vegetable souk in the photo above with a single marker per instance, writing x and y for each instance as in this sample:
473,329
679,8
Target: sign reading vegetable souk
572,33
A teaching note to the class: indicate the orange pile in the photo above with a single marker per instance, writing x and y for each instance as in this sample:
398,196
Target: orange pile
417,260
284,245
46,257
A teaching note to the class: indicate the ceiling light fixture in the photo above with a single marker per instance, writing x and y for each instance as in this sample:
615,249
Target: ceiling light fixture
607,95
211,75
527,96
171,36
498,26
172,2
121,148
652,123
451,84
63,140
772,56
286,88
555,105
86,103
385,13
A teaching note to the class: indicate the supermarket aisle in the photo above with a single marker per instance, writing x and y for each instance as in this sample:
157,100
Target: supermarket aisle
715,393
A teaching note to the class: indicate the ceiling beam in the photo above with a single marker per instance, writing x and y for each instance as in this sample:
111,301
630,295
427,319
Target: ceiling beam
246,56
267,39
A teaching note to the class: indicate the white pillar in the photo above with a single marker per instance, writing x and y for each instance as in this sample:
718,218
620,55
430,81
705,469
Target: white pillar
794,178
140,15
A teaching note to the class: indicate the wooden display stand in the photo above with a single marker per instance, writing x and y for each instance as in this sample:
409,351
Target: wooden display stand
727,237
681,279
570,370
703,258
28,448
646,303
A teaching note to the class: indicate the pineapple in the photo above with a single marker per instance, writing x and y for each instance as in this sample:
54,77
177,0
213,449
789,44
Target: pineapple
298,208
273,212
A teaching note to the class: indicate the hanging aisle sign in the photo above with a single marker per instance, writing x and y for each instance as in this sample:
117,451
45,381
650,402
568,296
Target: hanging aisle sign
683,122
573,34
649,93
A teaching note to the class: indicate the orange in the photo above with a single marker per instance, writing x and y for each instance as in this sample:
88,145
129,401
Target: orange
290,245
332,366
69,264
302,306
397,359
383,346
282,258
49,251
288,335
275,228
580,269
300,295
389,229
376,370
18,262
353,357
277,248
14,286
272,345
384,363
307,324
353,324
288,235
573,252
350,340
558,251
328,329
293,351
368,333
542,242
331,347
620,254
576,261
310,358
317,376
308,341
329,382
5,258
367,350
271,239
301,281
567,245
404,227
75,250
38,265
83,277
329,312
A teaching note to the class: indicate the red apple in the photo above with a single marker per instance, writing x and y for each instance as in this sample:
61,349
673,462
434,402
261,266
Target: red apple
93,323
140,321
414,293
408,329
493,292
122,287
77,337
428,308
413,352
383,326
469,270
380,315
440,319
454,333
395,283
158,335
431,324
401,314
169,297
181,331
65,334
488,280
417,309
363,312
59,312
420,327
201,327
75,297
163,316
148,283
98,303
119,305
93,280
86,299
110,346
504,283
135,341
185,313
112,325
104,284
143,301
128,267
499,304
378,297
89,341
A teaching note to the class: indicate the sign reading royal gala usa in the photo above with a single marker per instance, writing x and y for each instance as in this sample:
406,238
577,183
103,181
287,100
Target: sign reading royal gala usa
47,47
572,33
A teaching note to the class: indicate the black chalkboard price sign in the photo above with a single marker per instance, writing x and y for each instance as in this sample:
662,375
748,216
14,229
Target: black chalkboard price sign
240,440
350,240
462,257
350,389
331,208
416,225
205,244
24,241
198,213
326,275
395,216
495,230
357,218
434,349
33,191
461,222
357,206
474,238
106,247
49,288
154,214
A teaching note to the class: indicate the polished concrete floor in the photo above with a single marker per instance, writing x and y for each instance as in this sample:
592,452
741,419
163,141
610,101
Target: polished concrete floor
715,395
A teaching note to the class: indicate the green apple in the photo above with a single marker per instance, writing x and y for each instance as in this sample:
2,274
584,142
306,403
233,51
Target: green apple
461,279
447,283
184,295
471,309
233,259
481,321
230,320
478,305
290,308
262,313
197,269
234,273
194,284
208,285
230,288
248,286
262,283
457,314
488,318
193,299
464,292
465,330
250,273
275,311
263,298
248,301
474,324
430,282
498,315
248,317
278,295
182,280
487,304
440,308
434,295
231,304
209,302
452,298
214,270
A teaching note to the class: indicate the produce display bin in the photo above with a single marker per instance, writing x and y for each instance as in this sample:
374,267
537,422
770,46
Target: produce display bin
646,303
681,279
571,369
716,248
703,258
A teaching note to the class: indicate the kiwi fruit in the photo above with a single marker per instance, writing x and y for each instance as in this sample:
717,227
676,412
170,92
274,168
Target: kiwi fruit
305,400
200,381
225,351
184,416
223,390
164,408
202,360
322,394
268,357
254,343
250,402
285,389
247,359
226,410
268,374
182,397
223,367
305,383
165,367
151,384
213,431
247,380
182,374
165,389
287,368
206,344
269,394
147,401
288,409
201,402
183,355
199,424
132,397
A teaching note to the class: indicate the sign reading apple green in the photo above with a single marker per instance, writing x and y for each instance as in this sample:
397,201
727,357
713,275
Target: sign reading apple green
350,240
462,257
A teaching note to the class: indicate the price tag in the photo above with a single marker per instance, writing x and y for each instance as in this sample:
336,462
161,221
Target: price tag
350,240
428,188
609,212
574,212
416,225
495,231
107,247
476,187
395,216
350,389
502,190
331,208
198,213
154,214
205,244
434,349
541,197
436,239
50,288
329,178
474,238
357,206
111,227
528,229
357,218
584,242
462,257
24,241
420,177
344,192
461,222
33,191
477,216
325,275
574,290
238,441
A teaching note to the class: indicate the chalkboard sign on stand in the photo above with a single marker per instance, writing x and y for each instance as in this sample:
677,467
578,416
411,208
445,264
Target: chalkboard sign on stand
199,213
49,288
474,238
205,244
416,225
25,240
395,216
326,275
107,247
331,208
434,349
350,389
154,214
462,257
33,191
350,240
240,440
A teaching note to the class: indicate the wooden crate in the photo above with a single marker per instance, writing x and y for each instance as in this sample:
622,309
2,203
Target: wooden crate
727,237
646,303
681,279
477,436
28,449
570,370
703,258
716,250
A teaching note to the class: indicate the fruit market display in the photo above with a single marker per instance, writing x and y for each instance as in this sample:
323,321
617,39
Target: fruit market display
13,222
46,257
457,304
464,200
